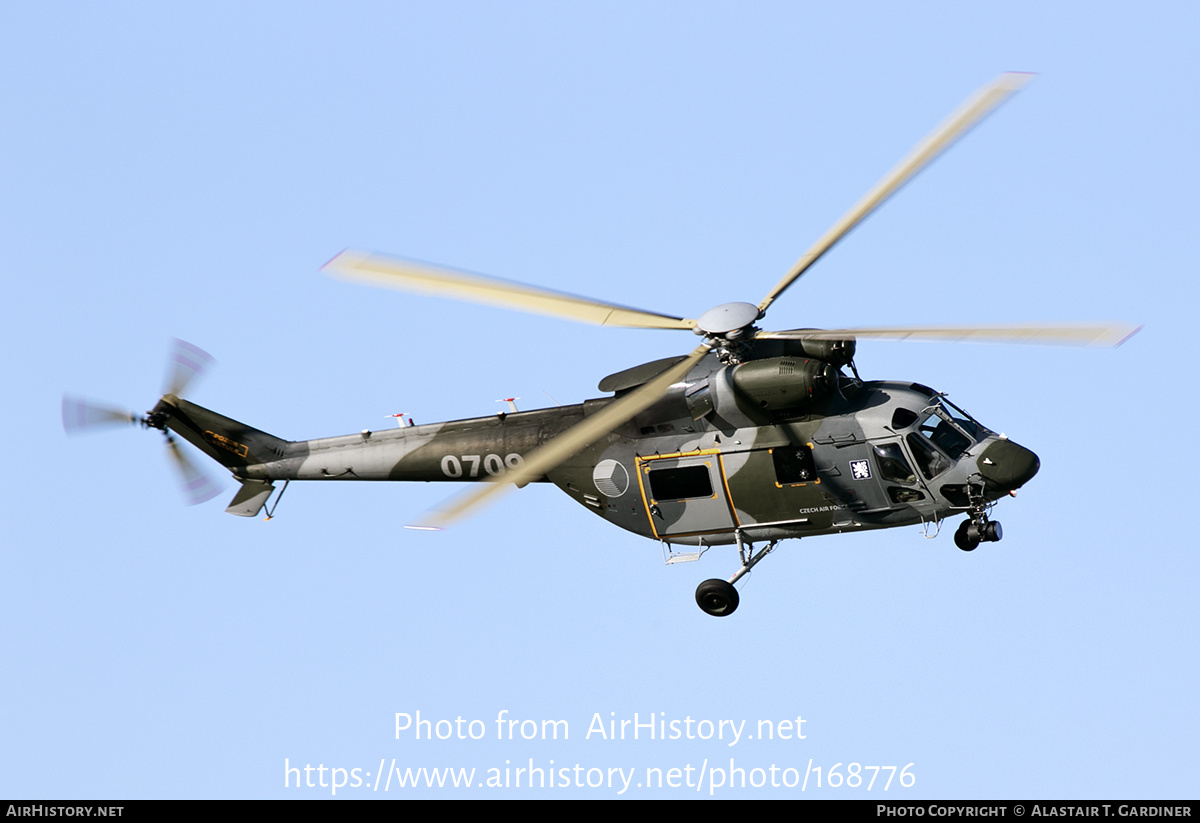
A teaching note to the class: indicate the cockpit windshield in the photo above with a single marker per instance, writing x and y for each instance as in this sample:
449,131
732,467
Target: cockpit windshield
972,427
945,435
951,430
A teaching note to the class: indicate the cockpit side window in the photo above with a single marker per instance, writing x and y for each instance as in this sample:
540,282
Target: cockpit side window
892,465
931,461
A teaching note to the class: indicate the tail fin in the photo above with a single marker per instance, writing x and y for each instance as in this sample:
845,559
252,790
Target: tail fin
232,444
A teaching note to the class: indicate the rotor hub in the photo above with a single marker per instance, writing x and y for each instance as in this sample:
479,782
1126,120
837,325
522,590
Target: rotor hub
727,319
728,330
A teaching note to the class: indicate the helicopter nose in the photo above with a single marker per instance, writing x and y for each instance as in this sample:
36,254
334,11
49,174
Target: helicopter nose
1008,466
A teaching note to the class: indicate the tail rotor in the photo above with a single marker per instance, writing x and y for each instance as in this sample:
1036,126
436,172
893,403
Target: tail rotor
81,416
187,363
198,487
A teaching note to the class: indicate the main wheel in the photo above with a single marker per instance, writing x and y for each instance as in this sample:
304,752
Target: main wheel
717,597
966,538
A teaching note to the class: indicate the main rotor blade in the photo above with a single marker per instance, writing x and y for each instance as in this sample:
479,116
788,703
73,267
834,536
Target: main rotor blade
549,455
379,270
971,112
79,415
187,363
1110,334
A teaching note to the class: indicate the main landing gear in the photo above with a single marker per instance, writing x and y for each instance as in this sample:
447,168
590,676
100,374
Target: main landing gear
718,597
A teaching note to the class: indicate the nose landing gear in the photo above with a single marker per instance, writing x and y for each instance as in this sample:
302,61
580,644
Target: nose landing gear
974,531
977,528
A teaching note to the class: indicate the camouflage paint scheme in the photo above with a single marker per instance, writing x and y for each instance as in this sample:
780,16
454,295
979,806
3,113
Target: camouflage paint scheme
781,445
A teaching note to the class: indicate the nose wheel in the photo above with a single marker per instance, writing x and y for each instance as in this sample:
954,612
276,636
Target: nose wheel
975,530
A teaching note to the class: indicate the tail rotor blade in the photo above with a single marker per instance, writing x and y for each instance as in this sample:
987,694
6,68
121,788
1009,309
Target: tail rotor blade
80,416
198,487
187,363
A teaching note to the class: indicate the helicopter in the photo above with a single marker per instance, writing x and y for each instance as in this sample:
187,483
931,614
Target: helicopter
754,437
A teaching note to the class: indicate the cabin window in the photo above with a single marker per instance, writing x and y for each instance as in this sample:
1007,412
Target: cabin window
793,464
680,483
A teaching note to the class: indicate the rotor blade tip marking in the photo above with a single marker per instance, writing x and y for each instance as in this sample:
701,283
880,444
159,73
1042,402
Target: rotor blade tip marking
329,262
1126,337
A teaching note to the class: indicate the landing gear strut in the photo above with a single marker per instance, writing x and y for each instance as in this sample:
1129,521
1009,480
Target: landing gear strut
718,597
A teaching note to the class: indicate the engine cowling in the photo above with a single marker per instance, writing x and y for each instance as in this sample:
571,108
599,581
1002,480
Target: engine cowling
785,383
835,352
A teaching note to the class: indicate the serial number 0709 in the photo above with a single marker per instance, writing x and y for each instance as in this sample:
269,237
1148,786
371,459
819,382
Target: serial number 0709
468,465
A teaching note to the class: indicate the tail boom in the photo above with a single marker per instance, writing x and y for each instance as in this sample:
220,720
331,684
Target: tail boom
460,450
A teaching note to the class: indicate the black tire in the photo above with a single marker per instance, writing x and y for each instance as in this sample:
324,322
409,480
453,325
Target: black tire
717,597
965,537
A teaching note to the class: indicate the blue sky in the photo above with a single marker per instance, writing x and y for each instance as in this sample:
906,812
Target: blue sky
184,170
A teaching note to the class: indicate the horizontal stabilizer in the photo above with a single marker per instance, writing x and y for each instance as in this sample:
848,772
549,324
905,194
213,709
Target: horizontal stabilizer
251,497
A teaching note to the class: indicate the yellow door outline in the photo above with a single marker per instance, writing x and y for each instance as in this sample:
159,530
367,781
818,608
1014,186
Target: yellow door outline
643,466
